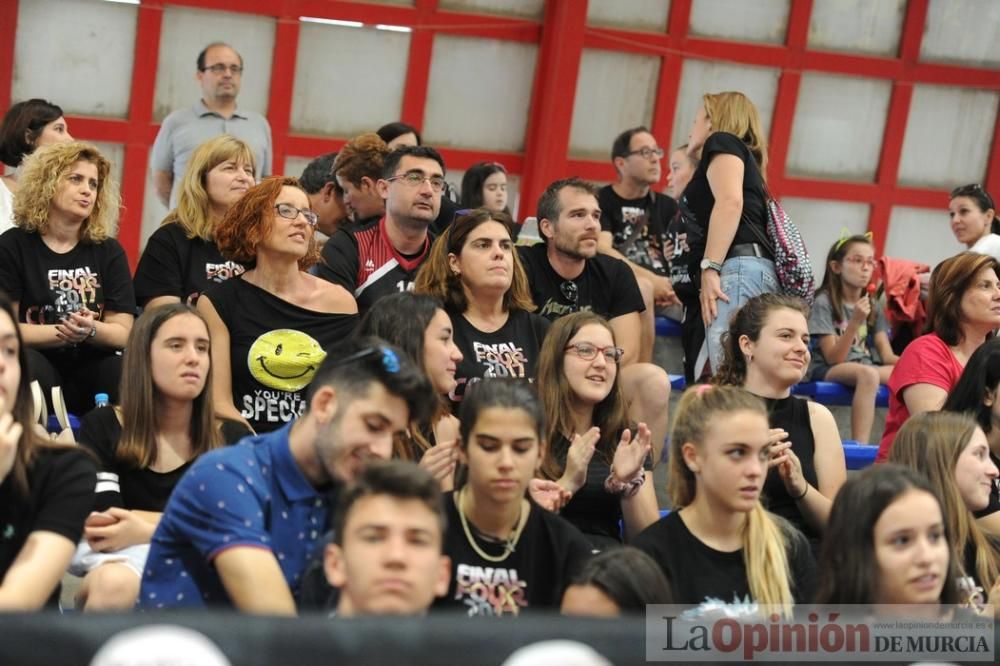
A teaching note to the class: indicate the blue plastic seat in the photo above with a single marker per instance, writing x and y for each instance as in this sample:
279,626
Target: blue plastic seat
832,393
54,428
859,456
668,328
677,382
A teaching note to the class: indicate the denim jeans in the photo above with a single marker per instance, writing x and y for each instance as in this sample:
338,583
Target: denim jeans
741,279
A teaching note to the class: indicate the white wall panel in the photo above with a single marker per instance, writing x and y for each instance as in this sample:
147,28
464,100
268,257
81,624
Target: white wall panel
521,8
838,127
479,93
962,31
821,223
632,14
857,26
698,77
348,80
186,32
921,235
948,135
295,165
614,91
743,20
76,53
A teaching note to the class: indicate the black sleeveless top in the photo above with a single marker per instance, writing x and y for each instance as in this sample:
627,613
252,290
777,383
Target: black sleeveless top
792,415
275,349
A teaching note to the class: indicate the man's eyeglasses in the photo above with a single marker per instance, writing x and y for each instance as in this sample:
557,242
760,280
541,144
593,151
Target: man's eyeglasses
589,352
417,178
290,212
220,68
570,291
646,153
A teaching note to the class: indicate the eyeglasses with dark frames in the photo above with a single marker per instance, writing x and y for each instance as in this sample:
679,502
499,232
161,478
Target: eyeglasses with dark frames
290,212
588,352
570,291
220,68
418,178
646,153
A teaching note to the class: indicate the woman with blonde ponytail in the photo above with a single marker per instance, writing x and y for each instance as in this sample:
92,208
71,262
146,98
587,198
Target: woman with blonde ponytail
720,547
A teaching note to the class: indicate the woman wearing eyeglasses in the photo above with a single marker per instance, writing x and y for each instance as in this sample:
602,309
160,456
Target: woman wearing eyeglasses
974,219
270,326
593,452
485,185
181,258
474,271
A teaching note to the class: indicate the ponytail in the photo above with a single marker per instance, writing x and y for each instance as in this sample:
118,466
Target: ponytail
766,560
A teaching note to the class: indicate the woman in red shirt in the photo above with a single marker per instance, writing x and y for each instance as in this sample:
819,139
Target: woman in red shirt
962,310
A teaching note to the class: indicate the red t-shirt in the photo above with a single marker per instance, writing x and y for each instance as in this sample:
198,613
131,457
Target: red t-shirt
926,360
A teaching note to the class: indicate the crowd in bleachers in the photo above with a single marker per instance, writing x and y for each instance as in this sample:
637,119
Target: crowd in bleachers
358,392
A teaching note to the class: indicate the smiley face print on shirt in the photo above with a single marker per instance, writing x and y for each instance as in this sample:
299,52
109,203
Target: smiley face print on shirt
285,359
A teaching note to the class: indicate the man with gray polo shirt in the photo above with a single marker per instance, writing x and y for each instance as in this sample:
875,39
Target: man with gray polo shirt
220,71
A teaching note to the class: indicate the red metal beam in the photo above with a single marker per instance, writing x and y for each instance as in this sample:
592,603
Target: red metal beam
140,114
8,39
551,114
418,67
787,95
668,86
895,126
279,105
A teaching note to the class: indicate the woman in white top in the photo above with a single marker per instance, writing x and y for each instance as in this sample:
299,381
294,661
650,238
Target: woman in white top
974,220
25,127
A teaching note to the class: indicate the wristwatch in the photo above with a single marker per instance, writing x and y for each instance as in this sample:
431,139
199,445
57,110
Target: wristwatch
708,263
93,331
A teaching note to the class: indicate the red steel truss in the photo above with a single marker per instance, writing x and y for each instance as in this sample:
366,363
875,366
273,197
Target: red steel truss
561,34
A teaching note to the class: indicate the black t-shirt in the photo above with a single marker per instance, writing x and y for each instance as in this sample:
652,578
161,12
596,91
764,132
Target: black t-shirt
697,201
361,259
638,226
593,510
48,284
792,415
606,286
510,351
706,578
127,487
275,349
60,497
174,265
548,554
680,273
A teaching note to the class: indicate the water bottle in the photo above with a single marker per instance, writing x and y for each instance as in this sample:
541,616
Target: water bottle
102,400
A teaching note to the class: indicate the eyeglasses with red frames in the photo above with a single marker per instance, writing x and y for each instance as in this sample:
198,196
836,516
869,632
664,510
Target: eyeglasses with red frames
860,261
588,352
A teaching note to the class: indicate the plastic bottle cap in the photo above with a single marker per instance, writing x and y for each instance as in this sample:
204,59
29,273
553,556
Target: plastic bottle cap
101,399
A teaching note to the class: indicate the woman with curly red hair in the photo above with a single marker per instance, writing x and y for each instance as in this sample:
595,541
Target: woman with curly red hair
272,325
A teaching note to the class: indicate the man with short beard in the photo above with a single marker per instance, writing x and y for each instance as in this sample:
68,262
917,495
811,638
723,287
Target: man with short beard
245,521
567,275
382,257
